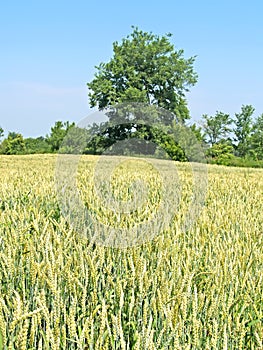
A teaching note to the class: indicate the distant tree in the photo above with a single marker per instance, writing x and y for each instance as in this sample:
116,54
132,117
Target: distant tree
37,145
1,132
75,140
144,68
198,132
221,152
216,127
243,129
256,140
13,144
58,133
98,139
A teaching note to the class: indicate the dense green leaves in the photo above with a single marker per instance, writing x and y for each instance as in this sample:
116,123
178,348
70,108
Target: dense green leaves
220,153
256,140
58,133
216,127
147,70
242,130
144,68
13,144
237,141
1,132
37,145
228,141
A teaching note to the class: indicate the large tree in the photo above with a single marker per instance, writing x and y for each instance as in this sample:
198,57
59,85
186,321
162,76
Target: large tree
144,68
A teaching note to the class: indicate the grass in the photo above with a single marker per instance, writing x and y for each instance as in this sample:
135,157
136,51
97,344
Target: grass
199,288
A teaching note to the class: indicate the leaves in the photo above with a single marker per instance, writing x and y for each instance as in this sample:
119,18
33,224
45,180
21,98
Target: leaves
216,127
58,133
257,138
243,128
144,68
13,144
1,132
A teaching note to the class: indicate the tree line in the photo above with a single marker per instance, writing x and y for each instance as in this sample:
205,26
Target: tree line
236,140
146,68
226,140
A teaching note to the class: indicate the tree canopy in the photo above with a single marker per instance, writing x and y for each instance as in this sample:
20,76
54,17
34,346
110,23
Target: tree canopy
1,132
58,132
243,128
216,127
13,144
144,68
256,140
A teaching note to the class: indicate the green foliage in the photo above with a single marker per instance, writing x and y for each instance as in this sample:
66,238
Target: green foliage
216,127
244,147
75,140
135,129
191,140
220,153
256,139
37,145
140,139
58,133
243,162
1,132
198,132
13,144
144,68
243,129
172,148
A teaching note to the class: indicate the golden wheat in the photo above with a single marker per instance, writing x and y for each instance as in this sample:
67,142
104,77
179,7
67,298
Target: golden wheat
199,288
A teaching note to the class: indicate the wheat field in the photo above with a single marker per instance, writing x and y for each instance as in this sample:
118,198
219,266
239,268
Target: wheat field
198,288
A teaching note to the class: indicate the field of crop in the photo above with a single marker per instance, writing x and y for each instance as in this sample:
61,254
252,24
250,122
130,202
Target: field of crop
199,288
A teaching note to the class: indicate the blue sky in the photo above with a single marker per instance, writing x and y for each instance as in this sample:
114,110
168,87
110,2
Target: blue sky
49,50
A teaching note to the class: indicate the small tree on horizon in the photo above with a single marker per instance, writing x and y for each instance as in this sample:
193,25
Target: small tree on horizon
243,129
217,127
256,139
57,134
13,144
1,132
